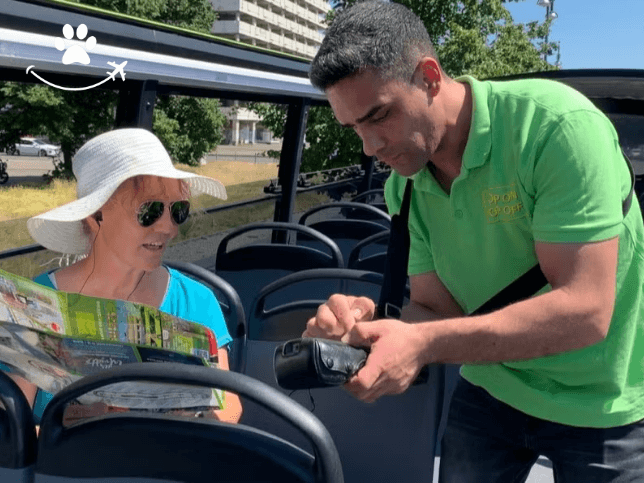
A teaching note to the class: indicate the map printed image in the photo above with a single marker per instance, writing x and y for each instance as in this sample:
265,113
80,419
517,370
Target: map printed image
53,338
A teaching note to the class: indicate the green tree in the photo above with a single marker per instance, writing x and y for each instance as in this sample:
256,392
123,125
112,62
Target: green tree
65,117
188,127
475,37
328,145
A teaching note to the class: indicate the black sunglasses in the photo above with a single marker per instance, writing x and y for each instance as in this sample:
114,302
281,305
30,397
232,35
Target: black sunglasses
150,212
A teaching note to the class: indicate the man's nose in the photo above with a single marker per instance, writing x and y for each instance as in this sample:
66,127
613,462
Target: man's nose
372,142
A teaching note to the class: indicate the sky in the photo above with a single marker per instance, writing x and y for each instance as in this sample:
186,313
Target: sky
594,34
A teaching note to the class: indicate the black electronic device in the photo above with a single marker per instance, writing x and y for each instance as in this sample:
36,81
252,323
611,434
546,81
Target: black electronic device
311,363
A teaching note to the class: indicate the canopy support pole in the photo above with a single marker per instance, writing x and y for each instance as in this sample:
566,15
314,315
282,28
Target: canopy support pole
290,161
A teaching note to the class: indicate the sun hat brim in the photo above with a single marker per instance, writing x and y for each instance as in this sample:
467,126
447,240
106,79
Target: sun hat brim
61,229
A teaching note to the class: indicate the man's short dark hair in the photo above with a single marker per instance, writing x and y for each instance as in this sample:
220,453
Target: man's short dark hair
387,37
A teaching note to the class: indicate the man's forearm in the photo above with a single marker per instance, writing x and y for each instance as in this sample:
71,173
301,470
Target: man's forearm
414,312
544,325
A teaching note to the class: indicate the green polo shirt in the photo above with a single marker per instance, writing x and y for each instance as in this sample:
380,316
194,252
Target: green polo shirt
541,164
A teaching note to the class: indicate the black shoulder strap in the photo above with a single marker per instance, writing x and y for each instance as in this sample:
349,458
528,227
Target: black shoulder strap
626,204
393,288
392,293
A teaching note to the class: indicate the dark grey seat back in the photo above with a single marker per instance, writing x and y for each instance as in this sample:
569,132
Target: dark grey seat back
152,447
370,254
374,197
18,442
393,439
252,265
345,222
345,210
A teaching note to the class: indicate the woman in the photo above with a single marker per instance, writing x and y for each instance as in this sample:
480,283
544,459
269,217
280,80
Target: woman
130,203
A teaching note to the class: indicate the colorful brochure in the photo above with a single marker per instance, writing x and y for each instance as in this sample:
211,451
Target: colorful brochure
54,338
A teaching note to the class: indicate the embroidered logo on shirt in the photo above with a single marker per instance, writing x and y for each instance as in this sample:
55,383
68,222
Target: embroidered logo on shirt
502,204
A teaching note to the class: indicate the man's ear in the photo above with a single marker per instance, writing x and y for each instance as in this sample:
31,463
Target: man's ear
432,75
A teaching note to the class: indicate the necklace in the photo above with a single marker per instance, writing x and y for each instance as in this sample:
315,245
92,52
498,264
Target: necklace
137,285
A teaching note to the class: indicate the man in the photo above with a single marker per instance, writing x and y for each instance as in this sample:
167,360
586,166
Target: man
506,175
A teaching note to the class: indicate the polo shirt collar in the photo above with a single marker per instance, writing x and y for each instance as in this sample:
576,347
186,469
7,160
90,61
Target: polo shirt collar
479,140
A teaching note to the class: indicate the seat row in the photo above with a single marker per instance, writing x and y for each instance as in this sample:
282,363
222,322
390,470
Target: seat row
335,235
391,438
282,278
267,292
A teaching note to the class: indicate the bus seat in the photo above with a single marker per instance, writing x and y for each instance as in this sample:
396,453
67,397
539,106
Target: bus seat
373,197
370,254
253,265
18,442
345,222
149,447
393,439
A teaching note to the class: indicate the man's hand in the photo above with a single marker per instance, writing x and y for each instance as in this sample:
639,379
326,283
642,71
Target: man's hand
398,352
337,316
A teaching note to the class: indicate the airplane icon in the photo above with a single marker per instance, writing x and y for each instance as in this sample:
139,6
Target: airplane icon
118,69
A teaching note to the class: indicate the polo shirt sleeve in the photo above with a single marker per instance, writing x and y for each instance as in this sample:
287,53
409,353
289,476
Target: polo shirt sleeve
420,255
578,181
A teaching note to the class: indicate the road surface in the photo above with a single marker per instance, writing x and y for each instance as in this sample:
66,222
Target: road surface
26,169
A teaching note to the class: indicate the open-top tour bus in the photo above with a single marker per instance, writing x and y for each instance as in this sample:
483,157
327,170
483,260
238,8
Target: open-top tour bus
317,435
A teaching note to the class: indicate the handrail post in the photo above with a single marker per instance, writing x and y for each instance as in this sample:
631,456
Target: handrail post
368,167
290,161
136,104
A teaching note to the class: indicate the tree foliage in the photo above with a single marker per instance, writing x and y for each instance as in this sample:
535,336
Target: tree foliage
328,145
475,37
188,127
68,118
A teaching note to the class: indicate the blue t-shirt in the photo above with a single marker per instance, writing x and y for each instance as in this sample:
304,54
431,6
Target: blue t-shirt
185,298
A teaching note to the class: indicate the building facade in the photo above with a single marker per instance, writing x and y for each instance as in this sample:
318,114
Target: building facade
244,126
291,26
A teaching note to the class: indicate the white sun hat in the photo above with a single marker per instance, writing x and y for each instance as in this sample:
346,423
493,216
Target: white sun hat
100,166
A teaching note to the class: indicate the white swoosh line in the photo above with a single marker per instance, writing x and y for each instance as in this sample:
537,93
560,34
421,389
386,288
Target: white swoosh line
67,88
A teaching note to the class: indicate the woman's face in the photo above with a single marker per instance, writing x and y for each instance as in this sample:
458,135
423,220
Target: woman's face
120,236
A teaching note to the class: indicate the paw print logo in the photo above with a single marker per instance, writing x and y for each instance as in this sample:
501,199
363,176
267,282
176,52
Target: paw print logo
75,53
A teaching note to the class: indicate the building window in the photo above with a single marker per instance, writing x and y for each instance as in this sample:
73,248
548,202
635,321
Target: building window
224,16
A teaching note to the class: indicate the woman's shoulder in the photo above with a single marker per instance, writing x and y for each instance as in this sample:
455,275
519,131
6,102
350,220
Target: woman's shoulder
181,278
187,288
44,279
63,279
192,300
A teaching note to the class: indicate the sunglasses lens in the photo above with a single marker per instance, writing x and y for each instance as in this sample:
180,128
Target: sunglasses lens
180,211
150,212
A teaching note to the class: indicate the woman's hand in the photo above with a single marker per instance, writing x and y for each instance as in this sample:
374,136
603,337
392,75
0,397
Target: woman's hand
232,405
77,412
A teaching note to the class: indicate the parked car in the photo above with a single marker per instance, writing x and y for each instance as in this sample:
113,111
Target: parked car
35,147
